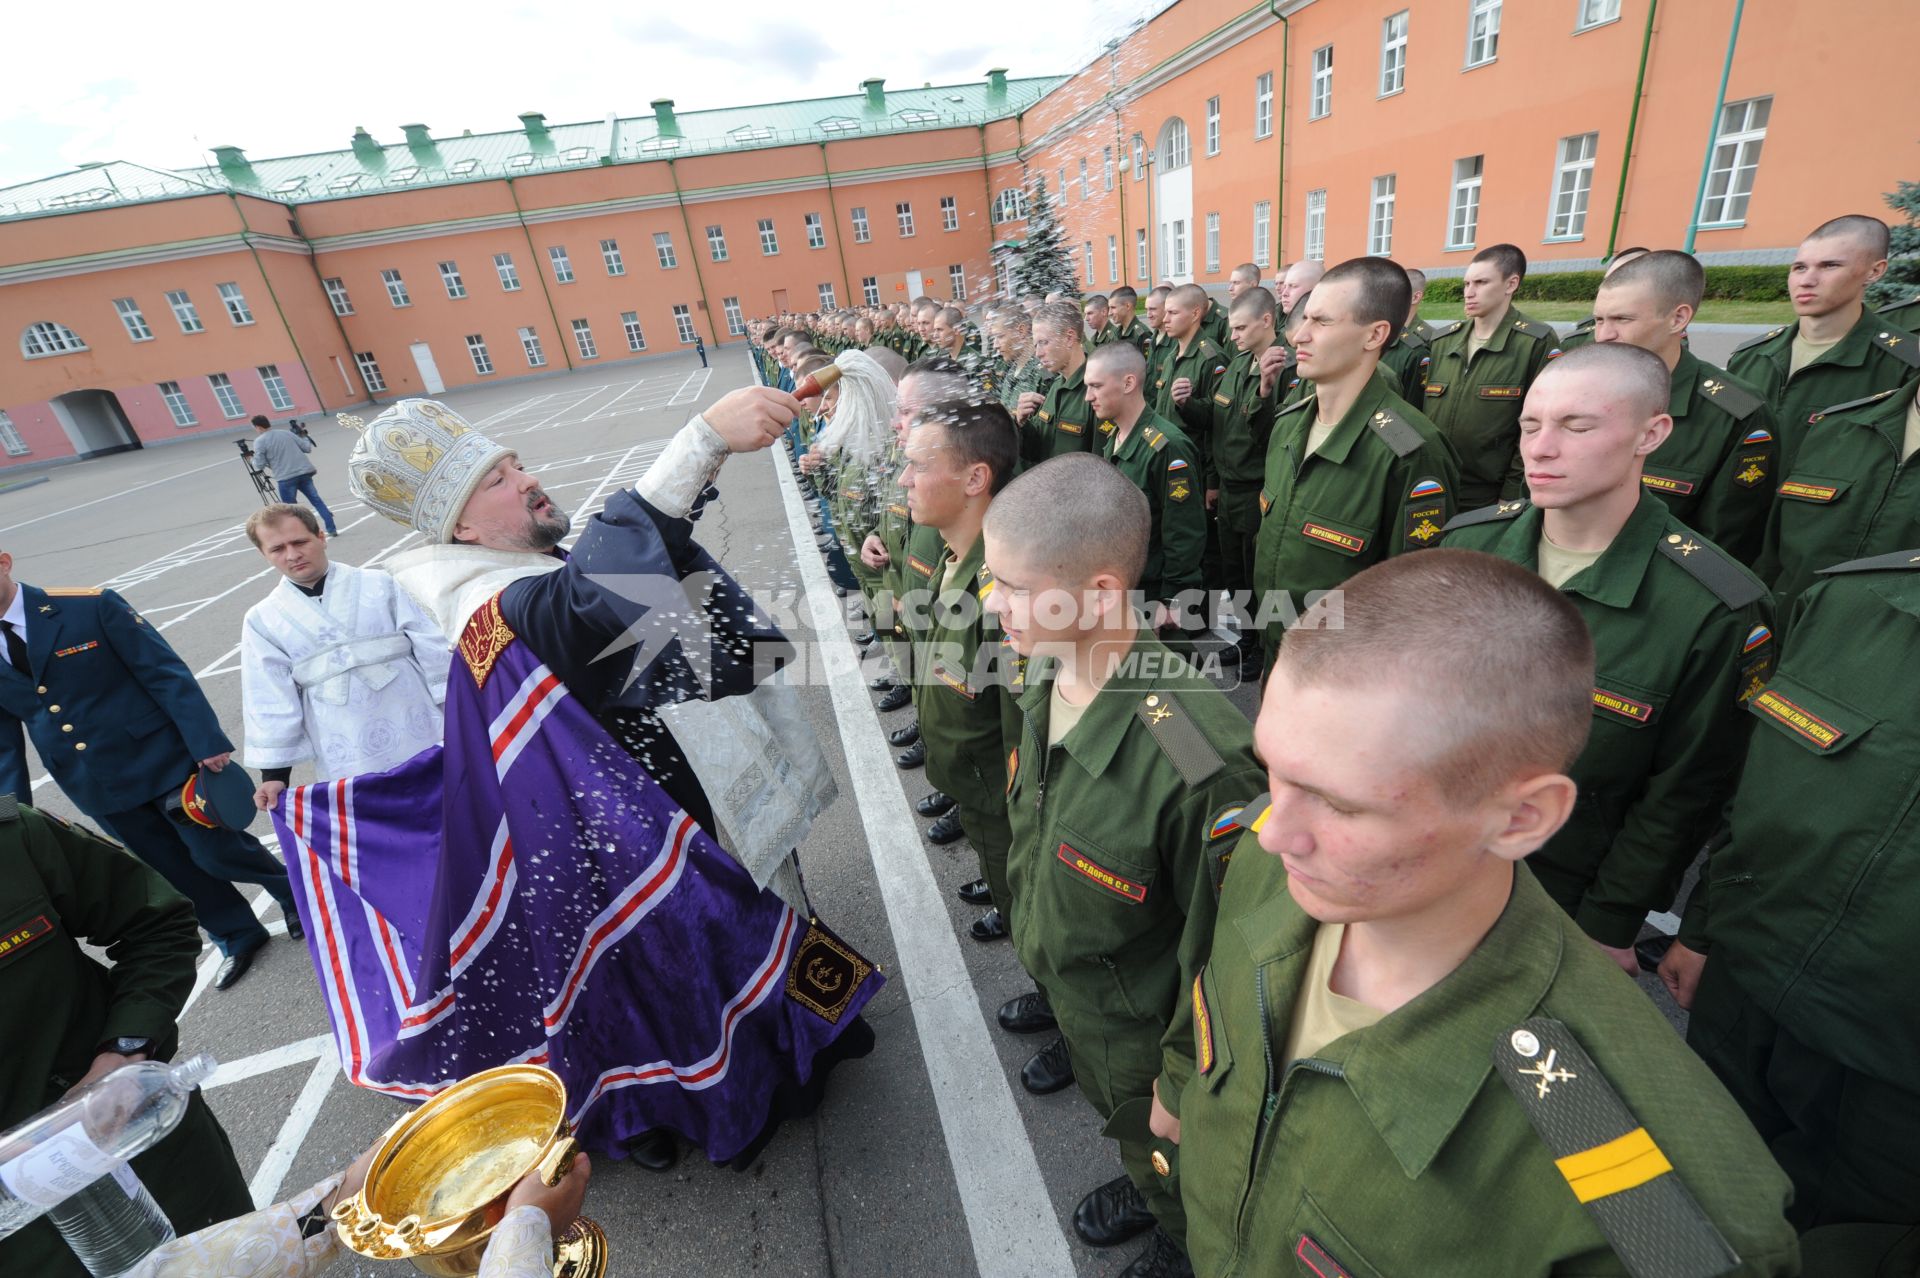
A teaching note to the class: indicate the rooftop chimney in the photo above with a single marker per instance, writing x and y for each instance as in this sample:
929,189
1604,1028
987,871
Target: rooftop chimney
876,94
417,137
663,117
534,123
997,82
233,163
364,147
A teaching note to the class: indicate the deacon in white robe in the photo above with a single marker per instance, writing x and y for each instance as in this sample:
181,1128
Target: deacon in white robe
338,666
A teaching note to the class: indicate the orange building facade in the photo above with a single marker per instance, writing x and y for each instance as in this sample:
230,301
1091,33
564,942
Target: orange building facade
154,305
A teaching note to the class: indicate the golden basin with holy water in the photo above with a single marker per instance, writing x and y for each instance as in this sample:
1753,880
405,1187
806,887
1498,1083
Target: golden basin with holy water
440,1176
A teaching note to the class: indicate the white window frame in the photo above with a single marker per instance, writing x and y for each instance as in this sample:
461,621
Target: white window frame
1213,243
1139,158
10,436
1106,166
278,396
1213,126
583,339
370,373
530,347
816,231
1736,156
630,325
870,289
1113,259
1483,32
683,323
1178,152
903,214
561,263
663,250
337,296
226,396
132,320
451,281
1178,256
509,274
1393,53
1595,13
949,213
477,352
1463,204
1263,106
1086,254
185,313
1320,94
769,238
827,300
1572,186
236,303
1263,233
1314,242
396,289
717,243
1140,253
736,323
957,281
1380,210
1086,186
610,256
177,405
862,229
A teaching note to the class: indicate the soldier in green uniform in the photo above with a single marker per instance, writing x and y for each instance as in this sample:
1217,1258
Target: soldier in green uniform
959,456
1098,321
1407,358
1680,634
1354,473
1377,946
1243,404
1157,341
1583,332
1059,421
1160,460
1213,320
1297,281
1849,494
1905,314
1805,927
1190,367
1417,280
1717,469
1122,788
69,1018
1243,277
1013,342
1481,369
1127,327
1838,351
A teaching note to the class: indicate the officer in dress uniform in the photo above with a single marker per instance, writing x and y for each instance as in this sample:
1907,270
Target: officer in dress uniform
121,726
1407,1059
68,1018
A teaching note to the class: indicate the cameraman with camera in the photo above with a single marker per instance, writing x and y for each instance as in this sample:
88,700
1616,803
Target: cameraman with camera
284,452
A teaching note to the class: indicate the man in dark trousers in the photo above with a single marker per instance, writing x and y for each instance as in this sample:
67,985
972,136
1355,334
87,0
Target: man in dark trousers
69,1018
119,722
700,349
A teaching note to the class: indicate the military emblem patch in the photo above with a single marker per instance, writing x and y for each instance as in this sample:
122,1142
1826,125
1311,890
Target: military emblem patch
1426,488
1424,523
1118,884
1751,469
1202,1028
1225,822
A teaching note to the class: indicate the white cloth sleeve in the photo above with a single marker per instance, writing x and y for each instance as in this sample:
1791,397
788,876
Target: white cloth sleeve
521,1246
681,473
430,649
276,720
260,1244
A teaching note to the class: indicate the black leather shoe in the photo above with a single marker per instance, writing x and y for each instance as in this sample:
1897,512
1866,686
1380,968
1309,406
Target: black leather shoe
894,699
657,1150
1230,655
1029,1014
866,640
934,804
234,968
975,893
294,930
911,757
1112,1214
904,737
882,683
946,829
991,926
1163,1258
1048,1070
1650,951
841,592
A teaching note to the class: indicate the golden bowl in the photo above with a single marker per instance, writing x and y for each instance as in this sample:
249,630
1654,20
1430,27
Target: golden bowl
441,1174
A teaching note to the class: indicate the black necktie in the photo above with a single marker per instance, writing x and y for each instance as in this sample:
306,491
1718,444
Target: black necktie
17,650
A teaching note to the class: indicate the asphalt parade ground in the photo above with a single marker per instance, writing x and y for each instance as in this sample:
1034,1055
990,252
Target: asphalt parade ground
927,1157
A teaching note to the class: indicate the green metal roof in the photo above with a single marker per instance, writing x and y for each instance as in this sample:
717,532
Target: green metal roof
421,160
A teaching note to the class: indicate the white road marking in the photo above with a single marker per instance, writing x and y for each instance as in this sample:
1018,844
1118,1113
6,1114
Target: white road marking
265,1184
117,496
1009,1214
306,1049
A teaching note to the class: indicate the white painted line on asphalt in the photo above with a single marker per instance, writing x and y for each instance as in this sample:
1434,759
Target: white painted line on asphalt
307,1049
1009,1215
210,957
587,505
124,493
265,1185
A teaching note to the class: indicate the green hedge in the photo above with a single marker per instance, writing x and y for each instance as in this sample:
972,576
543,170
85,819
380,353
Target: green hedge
1724,283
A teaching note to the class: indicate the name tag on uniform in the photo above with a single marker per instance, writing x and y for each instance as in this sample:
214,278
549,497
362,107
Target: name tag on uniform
1662,484
1066,427
1626,707
1333,537
920,566
1809,492
1502,392
1436,389
18,938
1315,1257
897,509
1225,401
1798,718
1118,884
953,681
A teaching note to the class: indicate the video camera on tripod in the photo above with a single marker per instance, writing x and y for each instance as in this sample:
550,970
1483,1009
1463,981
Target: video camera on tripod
262,482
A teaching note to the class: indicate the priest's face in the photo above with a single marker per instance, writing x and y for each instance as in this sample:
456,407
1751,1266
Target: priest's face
296,550
510,511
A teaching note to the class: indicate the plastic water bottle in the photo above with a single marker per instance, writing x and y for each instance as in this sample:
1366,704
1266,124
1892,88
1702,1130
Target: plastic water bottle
53,1163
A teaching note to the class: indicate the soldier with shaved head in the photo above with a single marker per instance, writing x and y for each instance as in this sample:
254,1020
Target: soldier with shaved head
1127,326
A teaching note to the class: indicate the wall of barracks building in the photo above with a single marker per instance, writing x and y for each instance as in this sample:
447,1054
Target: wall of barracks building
151,305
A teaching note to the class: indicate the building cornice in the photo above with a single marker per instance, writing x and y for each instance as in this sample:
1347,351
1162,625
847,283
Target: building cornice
148,255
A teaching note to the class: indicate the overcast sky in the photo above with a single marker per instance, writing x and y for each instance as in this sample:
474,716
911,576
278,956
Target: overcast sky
113,80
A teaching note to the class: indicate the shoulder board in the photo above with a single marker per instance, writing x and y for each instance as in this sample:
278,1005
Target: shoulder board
1851,404
1901,345
1761,340
1713,568
1296,406
1503,510
1891,307
1155,439
1537,330
72,592
1731,395
1610,1161
1179,738
1448,330
1396,432
1898,561
1586,325
1411,336
1207,347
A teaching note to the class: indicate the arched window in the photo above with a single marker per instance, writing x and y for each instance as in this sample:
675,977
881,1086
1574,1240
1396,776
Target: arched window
49,338
1174,152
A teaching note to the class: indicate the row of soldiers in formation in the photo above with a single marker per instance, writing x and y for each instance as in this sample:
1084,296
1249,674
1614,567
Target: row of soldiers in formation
1309,453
